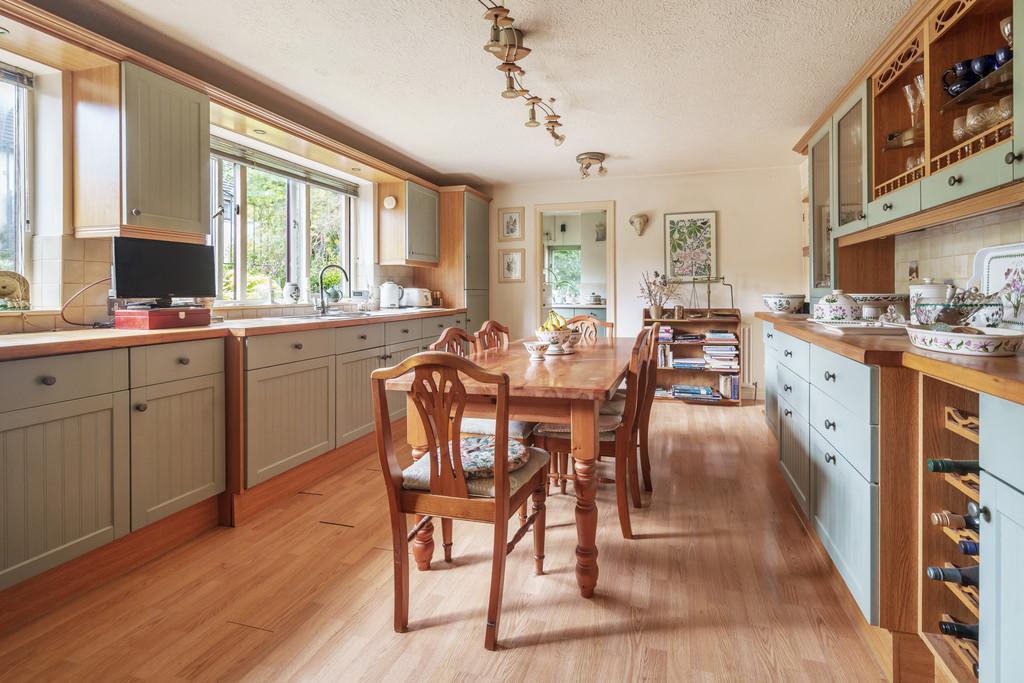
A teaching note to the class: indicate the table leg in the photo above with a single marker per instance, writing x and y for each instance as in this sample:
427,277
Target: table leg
415,435
584,452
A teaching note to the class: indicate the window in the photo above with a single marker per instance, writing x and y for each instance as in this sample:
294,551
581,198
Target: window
15,86
566,271
273,226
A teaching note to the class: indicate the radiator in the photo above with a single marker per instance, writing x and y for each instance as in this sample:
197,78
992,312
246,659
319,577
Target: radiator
746,377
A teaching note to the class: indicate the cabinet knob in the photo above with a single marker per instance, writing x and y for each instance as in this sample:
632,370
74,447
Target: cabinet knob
830,376
955,180
786,387
830,458
48,380
787,412
405,330
829,424
184,360
141,407
862,216
363,337
770,335
297,346
787,354
887,206
136,212
1010,158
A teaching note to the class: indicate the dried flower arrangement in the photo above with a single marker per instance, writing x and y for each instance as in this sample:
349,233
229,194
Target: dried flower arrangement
657,291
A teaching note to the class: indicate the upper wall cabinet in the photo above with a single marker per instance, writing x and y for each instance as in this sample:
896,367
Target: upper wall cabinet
820,193
852,155
142,150
409,225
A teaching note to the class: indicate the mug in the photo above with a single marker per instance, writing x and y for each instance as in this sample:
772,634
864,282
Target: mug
963,78
959,86
1003,55
963,68
983,65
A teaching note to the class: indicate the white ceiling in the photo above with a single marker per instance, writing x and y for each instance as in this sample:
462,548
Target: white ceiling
661,86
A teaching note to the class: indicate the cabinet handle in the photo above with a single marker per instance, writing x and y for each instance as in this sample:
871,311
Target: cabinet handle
830,458
955,180
136,212
786,387
1011,157
985,513
405,330
183,360
141,407
862,216
787,354
830,376
48,380
829,424
770,335
787,412
887,206
297,346
363,337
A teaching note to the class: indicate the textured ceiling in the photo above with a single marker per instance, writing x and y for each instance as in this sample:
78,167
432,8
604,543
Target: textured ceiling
661,86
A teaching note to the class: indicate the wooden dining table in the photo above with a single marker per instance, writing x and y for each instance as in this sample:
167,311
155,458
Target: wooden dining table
560,389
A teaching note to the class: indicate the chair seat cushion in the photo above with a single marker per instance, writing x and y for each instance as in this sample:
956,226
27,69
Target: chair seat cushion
605,423
486,427
417,475
616,405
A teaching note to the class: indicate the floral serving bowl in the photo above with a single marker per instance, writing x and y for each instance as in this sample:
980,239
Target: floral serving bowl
536,349
975,315
837,306
783,303
991,341
574,338
874,305
554,338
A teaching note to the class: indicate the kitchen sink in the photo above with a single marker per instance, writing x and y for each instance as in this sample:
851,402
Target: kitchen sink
339,315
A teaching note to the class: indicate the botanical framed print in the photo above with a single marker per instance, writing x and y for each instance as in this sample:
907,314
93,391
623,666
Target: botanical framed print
511,263
691,245
510,224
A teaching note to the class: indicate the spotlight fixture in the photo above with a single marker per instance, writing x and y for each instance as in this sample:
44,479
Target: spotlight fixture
532,122
587,161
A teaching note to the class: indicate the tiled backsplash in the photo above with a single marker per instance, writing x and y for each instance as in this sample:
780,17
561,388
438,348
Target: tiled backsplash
947,252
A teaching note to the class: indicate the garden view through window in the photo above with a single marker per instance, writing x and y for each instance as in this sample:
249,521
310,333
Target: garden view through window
12,176
565,267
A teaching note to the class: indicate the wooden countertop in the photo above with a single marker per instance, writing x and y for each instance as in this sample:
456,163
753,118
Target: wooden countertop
37,344
1002,377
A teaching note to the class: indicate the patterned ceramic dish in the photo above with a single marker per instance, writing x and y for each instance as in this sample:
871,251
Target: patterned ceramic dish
555,338
993,341
874,305
536,349
837,306
783,303
980,315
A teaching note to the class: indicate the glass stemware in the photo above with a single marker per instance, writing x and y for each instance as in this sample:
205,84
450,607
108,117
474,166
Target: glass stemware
914,101
960,129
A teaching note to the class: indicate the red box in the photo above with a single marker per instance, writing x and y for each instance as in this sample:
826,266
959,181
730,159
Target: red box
161,318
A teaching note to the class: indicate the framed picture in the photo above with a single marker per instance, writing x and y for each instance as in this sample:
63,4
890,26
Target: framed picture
691,245
510,224
511,262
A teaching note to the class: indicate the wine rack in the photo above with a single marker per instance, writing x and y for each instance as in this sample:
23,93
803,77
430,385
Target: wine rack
949,431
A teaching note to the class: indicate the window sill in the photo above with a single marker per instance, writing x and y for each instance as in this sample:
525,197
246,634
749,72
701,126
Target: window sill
31,311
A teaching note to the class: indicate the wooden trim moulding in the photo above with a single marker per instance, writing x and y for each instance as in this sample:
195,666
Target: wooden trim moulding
465,188
141,232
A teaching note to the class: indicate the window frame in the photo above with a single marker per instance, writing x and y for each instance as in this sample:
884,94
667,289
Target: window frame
23,194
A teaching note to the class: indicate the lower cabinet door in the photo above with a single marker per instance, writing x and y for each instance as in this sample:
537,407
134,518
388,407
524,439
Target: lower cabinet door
64,486
477,309
177,446
846,519
355,400
793,449
771,399
290,416
980,172
1002,592
395,355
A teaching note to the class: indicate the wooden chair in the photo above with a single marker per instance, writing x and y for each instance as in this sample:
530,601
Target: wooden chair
619,435
588,326
454,340
492,335
438,483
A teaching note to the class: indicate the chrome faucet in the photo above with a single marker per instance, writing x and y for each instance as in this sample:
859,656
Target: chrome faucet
322,309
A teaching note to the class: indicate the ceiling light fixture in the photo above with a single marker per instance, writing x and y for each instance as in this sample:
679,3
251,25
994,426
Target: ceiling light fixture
259,131
3,31
505,42
587,161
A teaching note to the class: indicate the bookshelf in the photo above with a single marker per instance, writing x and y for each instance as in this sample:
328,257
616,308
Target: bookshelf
695,322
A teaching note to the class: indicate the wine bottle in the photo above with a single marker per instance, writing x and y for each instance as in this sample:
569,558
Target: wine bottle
969,547
965,576
953,466
958,630
971,520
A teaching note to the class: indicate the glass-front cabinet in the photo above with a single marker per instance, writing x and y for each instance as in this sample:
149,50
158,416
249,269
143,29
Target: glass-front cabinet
851,152
820,220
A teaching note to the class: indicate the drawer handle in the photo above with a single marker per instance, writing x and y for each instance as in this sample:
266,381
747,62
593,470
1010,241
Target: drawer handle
405,330
770,335
985,513
297,346
830,376
48,380
887,206
955,180
830,458
786,387
141,407
1011,157
183,360
363,337
787,354
829,424
787,412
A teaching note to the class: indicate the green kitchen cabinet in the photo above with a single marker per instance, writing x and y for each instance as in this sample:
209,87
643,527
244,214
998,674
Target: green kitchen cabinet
982,171
852,159
354,413
820,219
477,235
794,453
896,204
477,309
1002,593
422,223
395,354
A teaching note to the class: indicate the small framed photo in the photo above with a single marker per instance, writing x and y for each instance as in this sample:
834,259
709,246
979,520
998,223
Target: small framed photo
510,224
511,262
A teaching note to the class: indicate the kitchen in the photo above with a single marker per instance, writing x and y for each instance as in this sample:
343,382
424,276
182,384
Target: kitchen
192,446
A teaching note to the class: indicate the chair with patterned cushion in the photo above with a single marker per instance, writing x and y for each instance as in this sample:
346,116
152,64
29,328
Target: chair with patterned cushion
482,479
618,434
454,340
589,326
492,335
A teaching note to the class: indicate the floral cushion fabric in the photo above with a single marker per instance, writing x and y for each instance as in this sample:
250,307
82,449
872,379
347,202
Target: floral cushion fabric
477,461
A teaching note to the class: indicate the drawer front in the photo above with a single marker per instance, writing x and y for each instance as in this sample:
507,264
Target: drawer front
169,362
793,389
288,347
1000,432
794,354
357,338
846,519
771,398
852,384
433,327
895,205
980,172
855,438
794,439
768,335
39,381
403,331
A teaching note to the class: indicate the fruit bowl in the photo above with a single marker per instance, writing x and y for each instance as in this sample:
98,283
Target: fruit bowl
989,341
554,338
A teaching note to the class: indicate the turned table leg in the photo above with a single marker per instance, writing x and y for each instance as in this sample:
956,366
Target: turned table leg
584,453
423,545
415,435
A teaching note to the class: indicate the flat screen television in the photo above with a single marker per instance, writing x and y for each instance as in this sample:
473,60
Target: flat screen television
151,269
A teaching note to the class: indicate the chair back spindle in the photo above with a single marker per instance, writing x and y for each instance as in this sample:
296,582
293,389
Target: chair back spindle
588,326
492,335
454,340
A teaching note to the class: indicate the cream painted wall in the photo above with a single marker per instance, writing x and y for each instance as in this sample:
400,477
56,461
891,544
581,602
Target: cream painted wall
759,239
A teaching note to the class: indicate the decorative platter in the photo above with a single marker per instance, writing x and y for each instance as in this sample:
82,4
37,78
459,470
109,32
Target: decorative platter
860,327
998,268
993,341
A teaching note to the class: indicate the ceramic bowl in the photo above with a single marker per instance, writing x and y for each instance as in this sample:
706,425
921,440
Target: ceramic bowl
783,303
837,306
874,305
985,315
993,341
536,349
555,339
574,338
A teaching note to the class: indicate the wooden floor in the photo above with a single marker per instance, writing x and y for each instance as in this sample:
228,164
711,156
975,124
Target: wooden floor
723,584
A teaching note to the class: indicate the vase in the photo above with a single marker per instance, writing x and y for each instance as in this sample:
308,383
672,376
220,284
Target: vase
656,312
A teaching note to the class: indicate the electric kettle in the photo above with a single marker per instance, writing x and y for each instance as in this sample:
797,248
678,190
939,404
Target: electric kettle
391,294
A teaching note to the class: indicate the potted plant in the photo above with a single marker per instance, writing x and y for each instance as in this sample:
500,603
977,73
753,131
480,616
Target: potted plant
657,291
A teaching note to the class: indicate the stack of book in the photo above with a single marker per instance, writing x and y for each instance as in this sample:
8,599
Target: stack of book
720,336
691,338
664,356
692,392
688,363
729,386
721,357
664,334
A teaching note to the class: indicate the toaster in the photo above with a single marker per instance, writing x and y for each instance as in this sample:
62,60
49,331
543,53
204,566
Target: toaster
415,297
